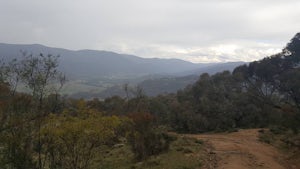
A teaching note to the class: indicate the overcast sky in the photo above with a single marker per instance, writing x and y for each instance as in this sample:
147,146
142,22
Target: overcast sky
193,30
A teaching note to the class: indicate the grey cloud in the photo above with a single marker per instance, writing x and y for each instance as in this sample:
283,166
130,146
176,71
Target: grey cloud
185,29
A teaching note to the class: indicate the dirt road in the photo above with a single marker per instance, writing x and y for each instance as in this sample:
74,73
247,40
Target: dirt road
242,150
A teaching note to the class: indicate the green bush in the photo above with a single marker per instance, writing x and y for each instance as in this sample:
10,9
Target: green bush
144,139
148,143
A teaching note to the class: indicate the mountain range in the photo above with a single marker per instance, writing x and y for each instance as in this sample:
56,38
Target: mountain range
92,71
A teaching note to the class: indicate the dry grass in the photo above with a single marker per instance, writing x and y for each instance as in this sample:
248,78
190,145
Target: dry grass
184,153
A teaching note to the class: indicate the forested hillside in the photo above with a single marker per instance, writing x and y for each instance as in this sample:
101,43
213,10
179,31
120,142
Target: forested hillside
92,73
41,129
85,64
259,94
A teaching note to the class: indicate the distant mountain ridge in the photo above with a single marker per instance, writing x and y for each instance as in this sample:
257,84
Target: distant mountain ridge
93,63
91,71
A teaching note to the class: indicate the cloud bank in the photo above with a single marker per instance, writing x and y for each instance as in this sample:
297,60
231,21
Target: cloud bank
193,30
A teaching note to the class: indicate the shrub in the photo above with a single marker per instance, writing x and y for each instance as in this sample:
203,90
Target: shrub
145,140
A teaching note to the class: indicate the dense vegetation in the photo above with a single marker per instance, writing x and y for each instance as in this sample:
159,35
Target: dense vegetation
41,129
259,94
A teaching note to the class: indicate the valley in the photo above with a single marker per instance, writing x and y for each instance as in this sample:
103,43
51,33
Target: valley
100,74
140,84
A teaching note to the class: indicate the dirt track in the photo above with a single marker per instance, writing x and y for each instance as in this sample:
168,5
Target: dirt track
241,150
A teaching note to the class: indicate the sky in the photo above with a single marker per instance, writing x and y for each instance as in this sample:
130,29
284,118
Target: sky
199,31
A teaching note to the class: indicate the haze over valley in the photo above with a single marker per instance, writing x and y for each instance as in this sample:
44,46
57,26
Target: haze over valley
101,74
149,84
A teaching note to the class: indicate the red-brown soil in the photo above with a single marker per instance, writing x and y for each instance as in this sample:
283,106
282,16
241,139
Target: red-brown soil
242,150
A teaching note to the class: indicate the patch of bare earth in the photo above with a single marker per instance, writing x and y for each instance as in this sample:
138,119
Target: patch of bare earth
241,150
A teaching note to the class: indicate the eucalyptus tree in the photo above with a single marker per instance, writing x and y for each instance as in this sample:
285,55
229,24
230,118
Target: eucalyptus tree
41,77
